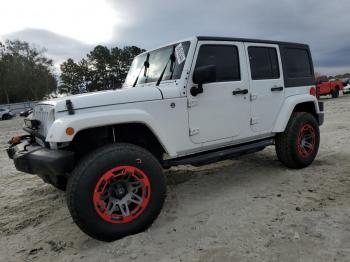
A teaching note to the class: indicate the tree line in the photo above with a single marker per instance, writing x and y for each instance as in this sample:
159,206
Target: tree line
101,69
27,74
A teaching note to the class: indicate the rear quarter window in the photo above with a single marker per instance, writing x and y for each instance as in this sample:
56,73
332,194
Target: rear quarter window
297,65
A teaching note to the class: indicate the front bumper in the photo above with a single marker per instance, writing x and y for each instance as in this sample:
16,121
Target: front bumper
31,158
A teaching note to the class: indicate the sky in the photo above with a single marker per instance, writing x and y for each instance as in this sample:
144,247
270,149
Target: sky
71,28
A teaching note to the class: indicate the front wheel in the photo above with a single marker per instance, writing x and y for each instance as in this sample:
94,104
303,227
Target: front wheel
116,191
297,147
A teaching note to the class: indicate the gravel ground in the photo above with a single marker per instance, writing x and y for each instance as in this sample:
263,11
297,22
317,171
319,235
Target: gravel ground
248,209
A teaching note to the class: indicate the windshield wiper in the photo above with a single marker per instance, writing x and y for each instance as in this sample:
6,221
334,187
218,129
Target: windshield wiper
172,60
146,66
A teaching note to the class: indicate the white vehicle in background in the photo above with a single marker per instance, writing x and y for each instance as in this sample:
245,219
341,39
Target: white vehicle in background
346,89
196,101
6,114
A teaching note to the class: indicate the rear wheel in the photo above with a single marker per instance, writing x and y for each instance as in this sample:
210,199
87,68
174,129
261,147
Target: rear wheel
335,93
116,191
297,147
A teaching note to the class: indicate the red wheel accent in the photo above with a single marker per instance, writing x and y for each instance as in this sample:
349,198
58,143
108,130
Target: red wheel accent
306,141
121,194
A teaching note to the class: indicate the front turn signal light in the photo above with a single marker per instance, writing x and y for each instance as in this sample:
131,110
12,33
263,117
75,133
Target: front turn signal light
70,131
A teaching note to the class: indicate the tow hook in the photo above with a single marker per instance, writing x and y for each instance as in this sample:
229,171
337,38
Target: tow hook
17,140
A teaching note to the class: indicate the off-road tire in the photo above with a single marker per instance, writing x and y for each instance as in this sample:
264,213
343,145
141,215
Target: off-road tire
84,180
287,149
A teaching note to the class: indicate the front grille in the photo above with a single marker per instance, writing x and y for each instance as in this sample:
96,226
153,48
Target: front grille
45,114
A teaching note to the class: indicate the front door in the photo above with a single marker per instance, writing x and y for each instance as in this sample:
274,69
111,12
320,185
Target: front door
220,112
266,84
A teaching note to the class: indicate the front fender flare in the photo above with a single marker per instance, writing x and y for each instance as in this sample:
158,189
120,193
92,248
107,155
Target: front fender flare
288,106
57,132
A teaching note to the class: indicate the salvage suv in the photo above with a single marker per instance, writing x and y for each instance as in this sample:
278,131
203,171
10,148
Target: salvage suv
195,101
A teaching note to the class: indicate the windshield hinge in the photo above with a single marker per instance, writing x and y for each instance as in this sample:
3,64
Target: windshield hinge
253,96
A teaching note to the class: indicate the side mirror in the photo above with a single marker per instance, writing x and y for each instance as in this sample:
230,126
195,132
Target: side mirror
203,75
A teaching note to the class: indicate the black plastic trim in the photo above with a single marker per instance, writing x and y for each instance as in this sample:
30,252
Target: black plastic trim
237,39
321,115
219,154
320,119
321,106
36,133
34,159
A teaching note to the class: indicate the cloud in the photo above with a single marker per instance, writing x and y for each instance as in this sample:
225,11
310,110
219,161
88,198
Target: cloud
89,21
150,23
324,26
59,48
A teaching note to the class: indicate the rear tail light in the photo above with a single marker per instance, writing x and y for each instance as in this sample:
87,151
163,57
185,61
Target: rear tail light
313,91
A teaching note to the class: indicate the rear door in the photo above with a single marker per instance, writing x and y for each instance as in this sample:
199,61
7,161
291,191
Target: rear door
266,84
219,113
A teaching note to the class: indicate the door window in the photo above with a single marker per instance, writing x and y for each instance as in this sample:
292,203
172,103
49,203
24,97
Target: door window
224,57
263,63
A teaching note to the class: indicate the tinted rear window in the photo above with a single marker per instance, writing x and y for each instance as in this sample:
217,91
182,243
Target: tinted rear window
298,63
263,63
224,57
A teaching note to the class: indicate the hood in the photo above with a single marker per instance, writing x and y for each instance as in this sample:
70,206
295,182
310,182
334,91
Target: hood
105,98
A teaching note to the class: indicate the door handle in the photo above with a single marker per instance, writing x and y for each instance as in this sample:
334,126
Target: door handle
240,92
277,88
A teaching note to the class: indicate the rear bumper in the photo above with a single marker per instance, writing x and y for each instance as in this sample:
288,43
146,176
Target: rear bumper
321,113
33,159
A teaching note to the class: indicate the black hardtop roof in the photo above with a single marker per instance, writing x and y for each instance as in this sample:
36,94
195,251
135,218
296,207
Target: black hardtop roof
236,39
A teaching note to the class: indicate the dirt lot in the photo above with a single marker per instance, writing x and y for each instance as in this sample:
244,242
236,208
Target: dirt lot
248,209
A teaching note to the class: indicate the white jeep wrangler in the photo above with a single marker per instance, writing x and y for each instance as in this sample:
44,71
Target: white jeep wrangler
195,102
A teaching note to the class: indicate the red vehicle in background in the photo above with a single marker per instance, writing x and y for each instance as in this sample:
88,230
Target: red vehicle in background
328,87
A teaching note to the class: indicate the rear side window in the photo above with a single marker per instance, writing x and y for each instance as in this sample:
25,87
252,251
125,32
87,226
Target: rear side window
263,63
298,63
224,57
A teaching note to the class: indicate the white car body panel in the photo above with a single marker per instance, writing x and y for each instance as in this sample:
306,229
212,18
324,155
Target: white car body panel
222,118
158,115
104,98
265,104
215,122
346,89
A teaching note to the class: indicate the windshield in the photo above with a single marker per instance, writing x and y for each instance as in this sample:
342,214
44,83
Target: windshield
158,59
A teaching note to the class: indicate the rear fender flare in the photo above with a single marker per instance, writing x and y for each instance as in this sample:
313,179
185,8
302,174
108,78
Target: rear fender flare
288,107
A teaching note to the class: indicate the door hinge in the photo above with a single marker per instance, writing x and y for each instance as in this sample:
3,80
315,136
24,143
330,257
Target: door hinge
194,131
191,103
253,121
253,96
